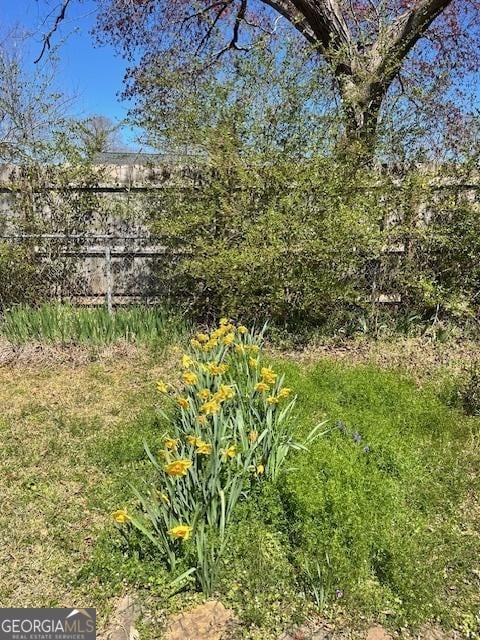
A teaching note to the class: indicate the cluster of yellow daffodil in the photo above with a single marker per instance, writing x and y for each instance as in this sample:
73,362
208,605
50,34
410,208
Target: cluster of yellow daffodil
226,431
224,334
268,378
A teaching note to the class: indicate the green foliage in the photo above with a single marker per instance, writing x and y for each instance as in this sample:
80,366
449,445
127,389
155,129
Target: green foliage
54,202
267,238
372,508
440,276
63,324
20,277
113,564
276,225
231,429
258,579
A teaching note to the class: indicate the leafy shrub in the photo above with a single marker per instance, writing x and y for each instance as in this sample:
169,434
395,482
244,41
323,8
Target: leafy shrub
263,238
21,277
230,430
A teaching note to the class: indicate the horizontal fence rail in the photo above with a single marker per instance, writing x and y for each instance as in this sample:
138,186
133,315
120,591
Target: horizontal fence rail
100,269
117,270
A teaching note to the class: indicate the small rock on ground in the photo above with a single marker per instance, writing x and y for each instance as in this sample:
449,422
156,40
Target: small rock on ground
123,624
209,621
378,633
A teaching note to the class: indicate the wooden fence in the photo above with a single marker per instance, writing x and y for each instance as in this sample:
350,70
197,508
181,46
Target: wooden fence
113,259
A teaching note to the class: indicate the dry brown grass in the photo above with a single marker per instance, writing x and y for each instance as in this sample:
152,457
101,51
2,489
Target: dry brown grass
420,357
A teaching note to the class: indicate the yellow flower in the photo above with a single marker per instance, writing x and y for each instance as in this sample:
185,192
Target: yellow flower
202,337
190,378
253,436
272,400
178,467
183,402
231,452
261,387
253,363
239,348
171,443
202,420
242,329
187,361
193,440
218,333
211,344
253,348
204,448
260,469
224,321
210,408
195,343
181,531
216,369
121,516
204,394
268,375
229,339
284,393
162,386
225,392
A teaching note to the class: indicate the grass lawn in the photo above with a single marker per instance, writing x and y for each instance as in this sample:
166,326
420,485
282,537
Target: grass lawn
59,429
379,520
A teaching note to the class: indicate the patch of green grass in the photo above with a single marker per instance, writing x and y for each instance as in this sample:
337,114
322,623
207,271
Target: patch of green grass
379,516
64,324
378,519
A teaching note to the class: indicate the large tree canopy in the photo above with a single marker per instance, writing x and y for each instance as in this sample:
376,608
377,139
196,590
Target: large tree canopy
368,46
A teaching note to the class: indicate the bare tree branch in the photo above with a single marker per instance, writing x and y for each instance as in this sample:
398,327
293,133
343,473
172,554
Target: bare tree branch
47,38
401,36
223,7
286,9
233,42
327,23
238,20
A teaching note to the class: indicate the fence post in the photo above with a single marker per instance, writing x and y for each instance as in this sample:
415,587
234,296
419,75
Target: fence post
109,280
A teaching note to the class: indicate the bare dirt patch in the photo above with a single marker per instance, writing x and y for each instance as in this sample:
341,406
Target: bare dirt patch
39,354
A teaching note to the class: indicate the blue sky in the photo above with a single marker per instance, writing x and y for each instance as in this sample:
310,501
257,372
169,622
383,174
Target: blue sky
92,75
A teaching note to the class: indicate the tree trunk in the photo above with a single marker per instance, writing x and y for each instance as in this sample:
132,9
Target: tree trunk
361,103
